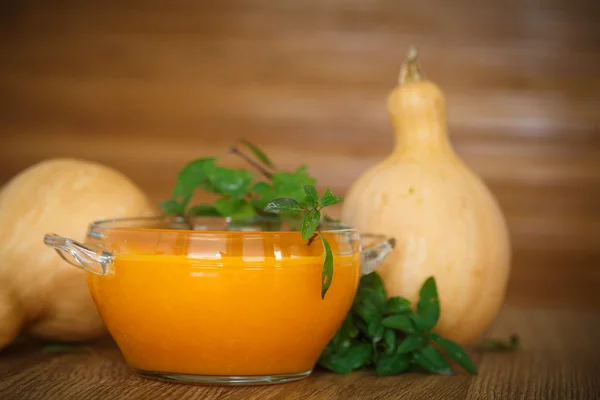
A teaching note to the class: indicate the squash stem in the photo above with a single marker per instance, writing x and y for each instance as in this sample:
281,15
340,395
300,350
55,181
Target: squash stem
410,71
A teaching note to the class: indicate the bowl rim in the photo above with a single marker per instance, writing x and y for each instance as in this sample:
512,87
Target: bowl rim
97,227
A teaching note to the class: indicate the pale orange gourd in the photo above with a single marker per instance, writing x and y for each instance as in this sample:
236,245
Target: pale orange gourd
40,293
446,222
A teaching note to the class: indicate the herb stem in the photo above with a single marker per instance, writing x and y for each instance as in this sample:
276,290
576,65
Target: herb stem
312,238
235,150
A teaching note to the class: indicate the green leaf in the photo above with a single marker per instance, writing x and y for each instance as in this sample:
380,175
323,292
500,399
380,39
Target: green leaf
398,305
421,323
258,153
289,184
263,194
203,210
233,182
456,352
329,199
191,176
410,344
367,311
63,348
342,339
372,281
432,360
311,192
234,208
245,212
344,363
310,223
308,202
389,338
369,304
227,207
327,273
339,343
283,205
349,328
375,330
428,307
400,322
393,364
171,207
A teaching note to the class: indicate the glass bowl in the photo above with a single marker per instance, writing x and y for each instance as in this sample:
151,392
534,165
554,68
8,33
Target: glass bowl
215,302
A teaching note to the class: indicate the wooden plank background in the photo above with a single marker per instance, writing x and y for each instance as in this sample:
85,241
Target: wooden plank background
145,86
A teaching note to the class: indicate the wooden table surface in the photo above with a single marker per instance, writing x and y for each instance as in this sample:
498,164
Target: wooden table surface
559,359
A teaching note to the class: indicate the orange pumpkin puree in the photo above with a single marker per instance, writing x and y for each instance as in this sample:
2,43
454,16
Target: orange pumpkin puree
229,315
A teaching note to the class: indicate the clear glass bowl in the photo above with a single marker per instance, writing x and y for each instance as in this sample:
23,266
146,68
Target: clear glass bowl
215,302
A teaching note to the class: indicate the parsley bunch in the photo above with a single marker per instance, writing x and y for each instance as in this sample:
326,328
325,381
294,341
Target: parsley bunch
390,336
243,196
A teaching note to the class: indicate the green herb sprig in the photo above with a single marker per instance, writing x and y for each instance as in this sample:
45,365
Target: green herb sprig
388,335
310,207
241,195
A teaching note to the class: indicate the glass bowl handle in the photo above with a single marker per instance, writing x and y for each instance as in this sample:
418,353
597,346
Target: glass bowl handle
92,258
375,249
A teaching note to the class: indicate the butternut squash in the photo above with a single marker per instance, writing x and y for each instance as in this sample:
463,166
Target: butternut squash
40,293
446,222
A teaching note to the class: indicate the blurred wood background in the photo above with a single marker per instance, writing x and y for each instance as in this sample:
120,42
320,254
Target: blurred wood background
145,86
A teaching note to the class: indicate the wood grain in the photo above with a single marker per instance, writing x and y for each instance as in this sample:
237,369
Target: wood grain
559,360
145,86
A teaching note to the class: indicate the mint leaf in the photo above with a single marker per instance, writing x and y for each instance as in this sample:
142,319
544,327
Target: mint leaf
410,344
233,182
421,323
329,199
366,307
432,360
400,322
369,304
375,330
389,338
263,194
171,207
311,192
283,205
349,328
290,184
234,208
310,223
308,202
203,210
353,358
342,339
327,273
397,305
227,207
396,342
191,176
428,307
258,153
456,352
391,364
372,281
